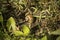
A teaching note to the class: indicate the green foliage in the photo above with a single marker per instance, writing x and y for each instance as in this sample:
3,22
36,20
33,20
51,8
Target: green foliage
18,33
58,38
11,25
1,18
25,30
56,32
44,38
41,10
28,39
7,37
1,35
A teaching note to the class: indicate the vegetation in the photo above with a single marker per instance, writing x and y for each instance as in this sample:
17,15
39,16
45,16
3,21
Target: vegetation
29,19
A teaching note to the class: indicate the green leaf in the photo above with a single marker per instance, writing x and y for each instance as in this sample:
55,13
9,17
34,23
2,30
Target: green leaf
58,38
35,39
26,30
23,2
7,37
22,38
44,38
57,32
1,18
18,33
28,38
35,9
11,25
